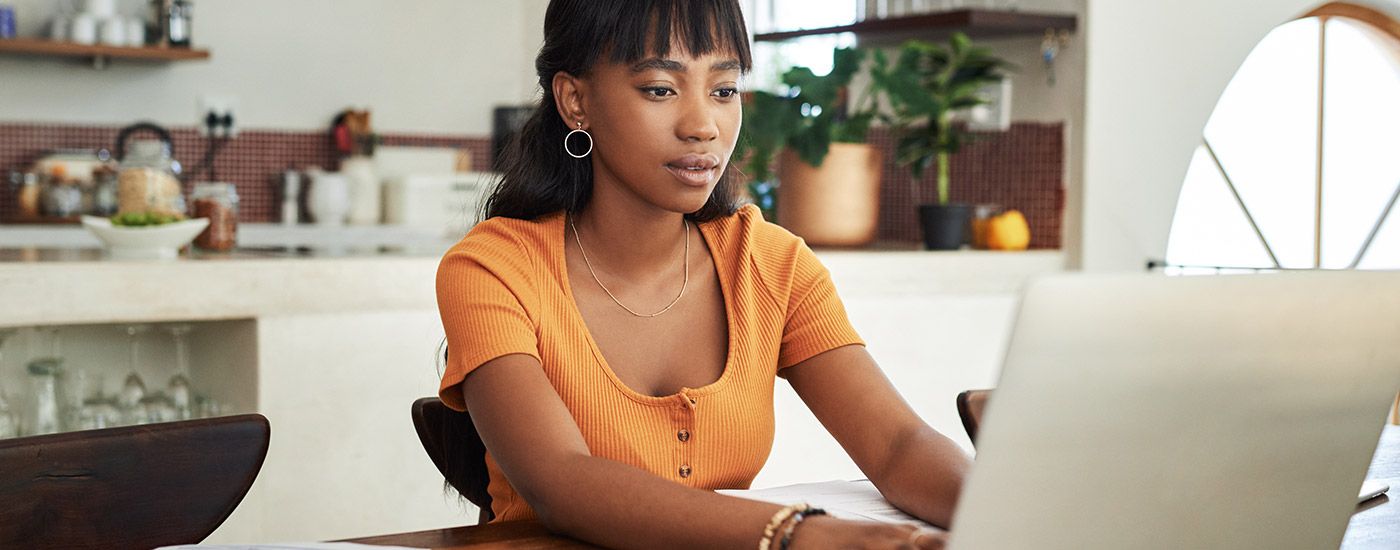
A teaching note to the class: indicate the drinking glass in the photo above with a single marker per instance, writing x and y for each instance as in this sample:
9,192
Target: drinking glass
133,388
9,419
179,388
43,395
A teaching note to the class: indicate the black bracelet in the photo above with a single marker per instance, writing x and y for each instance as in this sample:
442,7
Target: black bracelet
792,525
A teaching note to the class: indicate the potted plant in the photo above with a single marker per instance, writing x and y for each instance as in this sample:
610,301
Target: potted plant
926,86
829,178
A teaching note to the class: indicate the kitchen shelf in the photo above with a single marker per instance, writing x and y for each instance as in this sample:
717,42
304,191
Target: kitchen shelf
939,25
43,220
99,54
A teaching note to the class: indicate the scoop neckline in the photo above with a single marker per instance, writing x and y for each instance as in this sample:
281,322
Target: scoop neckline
577,316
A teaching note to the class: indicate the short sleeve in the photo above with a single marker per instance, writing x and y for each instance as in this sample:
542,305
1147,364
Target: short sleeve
816,319
485,292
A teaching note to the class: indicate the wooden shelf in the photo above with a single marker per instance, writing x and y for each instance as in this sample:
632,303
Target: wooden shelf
43,220
99,54
936,26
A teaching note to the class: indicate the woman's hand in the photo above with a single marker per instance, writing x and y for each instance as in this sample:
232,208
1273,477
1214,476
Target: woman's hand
825,532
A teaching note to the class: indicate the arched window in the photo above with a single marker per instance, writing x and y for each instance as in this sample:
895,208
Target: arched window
1299,164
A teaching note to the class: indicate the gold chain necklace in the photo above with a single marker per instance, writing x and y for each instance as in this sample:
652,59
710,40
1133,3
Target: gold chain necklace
685,260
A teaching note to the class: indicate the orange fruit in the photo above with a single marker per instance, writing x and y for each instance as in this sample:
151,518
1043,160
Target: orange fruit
1008,231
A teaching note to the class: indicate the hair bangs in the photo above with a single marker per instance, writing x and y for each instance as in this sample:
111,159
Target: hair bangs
698,27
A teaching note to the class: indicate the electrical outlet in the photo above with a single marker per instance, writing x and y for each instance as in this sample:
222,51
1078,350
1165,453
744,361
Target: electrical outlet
995,115
223,110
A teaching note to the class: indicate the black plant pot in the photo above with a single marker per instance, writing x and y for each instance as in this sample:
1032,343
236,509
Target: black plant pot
946,227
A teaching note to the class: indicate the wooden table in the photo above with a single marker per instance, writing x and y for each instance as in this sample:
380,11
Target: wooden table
1376,526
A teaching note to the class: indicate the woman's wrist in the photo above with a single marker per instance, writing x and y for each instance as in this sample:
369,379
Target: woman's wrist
829,532
815,530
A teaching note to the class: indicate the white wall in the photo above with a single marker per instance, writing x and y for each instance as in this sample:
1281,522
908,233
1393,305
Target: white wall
937,324
436,66
1155,70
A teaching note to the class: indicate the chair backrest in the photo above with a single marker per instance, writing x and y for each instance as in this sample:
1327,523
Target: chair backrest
971,403
135,487
456,449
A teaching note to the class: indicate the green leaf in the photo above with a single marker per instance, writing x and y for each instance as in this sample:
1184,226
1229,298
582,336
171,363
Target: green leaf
812,145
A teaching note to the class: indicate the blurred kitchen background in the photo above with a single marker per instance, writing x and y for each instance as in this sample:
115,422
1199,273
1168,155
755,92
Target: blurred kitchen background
338,148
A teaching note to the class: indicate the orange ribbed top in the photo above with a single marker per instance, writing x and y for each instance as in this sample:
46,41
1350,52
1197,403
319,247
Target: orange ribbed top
504,289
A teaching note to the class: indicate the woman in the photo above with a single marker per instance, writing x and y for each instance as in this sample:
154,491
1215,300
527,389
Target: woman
616,324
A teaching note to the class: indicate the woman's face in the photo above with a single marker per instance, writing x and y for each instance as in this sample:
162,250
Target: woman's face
663,128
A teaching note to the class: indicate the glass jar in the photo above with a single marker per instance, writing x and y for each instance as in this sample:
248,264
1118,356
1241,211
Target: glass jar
29,196
104,191
147,182
219,203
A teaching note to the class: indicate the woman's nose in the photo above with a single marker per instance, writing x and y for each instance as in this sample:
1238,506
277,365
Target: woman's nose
698,124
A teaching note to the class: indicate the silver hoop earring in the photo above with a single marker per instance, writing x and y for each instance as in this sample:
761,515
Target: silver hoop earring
585,134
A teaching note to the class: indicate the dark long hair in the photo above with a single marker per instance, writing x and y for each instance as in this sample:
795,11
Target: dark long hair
538,178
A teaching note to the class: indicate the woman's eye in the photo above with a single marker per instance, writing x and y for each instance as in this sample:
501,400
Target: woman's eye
658,92
727,93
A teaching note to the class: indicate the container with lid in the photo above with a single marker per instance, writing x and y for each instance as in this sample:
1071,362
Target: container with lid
146,181
219,203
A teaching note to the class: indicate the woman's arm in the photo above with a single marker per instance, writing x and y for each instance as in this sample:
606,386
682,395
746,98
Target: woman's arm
539,447
917,469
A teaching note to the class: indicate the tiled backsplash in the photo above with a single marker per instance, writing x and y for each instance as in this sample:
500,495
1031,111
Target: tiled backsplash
1022,168
253,161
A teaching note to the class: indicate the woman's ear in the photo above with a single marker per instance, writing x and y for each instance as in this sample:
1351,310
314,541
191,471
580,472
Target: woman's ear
568,99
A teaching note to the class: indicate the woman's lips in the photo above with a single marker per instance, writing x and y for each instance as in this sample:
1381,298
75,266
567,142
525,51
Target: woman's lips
697,178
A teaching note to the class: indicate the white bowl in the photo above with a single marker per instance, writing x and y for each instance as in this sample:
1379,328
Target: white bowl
158,242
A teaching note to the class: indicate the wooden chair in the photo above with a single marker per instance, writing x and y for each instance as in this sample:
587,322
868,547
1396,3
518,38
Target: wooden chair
971,403
135,487
452,443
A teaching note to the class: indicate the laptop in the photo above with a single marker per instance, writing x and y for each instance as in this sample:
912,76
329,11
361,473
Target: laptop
1141,411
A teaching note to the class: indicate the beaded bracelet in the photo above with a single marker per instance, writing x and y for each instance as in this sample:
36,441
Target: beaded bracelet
792,525
777,520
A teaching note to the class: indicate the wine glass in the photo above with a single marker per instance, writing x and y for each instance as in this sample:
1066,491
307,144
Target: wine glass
9,423
179,389
133,388
98,410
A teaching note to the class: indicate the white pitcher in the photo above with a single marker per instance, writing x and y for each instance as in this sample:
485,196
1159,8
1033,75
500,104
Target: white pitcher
365,190
329,201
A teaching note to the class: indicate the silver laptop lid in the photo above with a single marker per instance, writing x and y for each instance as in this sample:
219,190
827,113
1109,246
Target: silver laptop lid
1140,411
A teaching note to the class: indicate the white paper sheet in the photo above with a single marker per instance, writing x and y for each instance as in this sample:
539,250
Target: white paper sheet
285,546
842,499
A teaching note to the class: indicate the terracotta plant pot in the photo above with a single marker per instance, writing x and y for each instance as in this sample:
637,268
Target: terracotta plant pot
837,204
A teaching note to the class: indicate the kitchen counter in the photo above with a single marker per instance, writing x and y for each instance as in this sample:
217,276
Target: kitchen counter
256,235
79,286
41,286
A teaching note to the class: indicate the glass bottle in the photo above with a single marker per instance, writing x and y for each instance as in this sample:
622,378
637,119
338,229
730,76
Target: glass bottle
178,23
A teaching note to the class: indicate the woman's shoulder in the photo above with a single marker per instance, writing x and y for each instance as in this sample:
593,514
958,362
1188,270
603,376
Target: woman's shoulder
746,233
508,249
764,251
501,235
